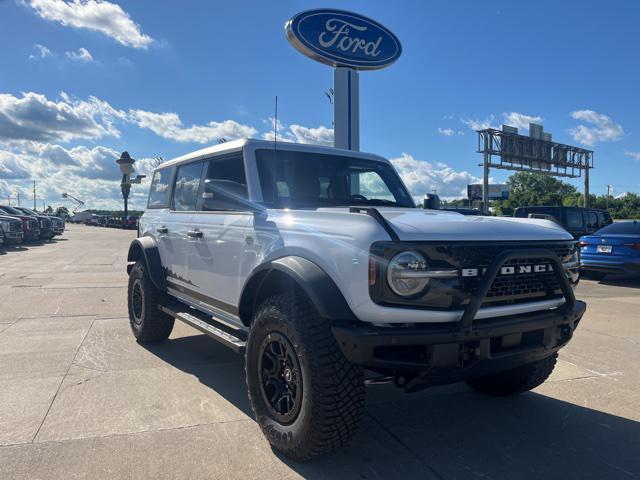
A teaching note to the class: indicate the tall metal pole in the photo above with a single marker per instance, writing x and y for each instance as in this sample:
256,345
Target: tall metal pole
485,174
608,195
586,184
346,108
34,195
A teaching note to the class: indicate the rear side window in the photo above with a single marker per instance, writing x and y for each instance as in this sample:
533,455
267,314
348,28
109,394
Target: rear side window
185,193
591,219
627,228
574,219
160,190
605,218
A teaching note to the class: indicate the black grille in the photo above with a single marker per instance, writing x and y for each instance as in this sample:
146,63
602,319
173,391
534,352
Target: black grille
482,255
33,224
15,227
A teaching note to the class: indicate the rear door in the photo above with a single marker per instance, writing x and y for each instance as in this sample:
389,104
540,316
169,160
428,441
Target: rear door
590,221
215,259
180,230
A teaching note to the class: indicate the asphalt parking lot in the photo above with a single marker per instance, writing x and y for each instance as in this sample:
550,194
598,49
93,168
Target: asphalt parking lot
80,398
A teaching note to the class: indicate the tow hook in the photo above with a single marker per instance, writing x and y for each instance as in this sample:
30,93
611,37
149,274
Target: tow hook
469,352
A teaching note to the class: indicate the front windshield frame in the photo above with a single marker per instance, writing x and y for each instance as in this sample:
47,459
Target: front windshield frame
11,210
281,166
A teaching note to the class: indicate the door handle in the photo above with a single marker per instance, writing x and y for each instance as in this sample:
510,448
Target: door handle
162,229
194,234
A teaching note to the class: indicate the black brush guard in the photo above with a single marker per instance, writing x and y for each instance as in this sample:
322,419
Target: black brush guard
450,352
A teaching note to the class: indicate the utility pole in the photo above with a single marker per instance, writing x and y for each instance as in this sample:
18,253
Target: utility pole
18,198
34,195
608,194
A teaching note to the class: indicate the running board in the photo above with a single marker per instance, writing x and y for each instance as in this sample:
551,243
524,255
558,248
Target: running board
208,325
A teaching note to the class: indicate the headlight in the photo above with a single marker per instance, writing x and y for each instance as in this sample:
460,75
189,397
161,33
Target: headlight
407,273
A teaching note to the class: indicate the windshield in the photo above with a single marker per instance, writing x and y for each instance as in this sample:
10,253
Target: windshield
27,211
11,210
292,179
632,228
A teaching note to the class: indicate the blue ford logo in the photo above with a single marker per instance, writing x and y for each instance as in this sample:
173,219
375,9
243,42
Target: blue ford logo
343,39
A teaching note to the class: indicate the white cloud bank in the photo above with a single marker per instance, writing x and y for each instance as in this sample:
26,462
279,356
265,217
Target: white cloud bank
97,15
599,128
80,55
513,119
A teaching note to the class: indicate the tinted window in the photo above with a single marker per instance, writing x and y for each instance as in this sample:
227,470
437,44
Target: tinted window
574,219
591,219
159,191
185,194
225,184
632,228
304,179
604,218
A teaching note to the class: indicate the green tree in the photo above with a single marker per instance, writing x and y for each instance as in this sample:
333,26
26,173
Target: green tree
535,189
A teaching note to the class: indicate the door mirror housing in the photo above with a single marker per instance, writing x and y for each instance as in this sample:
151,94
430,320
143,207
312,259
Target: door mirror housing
431,201
227,195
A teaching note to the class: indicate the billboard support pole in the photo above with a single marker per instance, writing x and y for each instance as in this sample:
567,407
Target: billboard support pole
485,177
346,108
586,184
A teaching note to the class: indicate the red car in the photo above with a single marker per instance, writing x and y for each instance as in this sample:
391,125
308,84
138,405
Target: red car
30,225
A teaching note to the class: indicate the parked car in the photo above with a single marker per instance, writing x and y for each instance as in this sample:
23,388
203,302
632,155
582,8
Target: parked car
30,225
315,264
131,223
57,223
613,249
578,221
11,229
44,222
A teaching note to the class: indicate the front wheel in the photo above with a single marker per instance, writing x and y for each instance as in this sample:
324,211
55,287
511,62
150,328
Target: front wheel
148,323
307,398
517,380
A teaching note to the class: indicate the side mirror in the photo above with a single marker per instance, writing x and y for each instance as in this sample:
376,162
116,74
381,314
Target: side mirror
431,201
227,195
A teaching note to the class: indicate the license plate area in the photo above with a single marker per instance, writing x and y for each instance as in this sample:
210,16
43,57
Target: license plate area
604,248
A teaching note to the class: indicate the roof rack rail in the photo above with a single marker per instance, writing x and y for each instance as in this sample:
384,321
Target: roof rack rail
373,212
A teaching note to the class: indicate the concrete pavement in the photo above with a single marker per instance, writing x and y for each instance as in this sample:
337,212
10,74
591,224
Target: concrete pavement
80,398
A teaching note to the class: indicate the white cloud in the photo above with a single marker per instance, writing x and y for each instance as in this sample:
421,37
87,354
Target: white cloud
423,177
97,15
33,117
80,55
520,120
41,52
169,125
479,124
600,128
634,155
299,134
449,132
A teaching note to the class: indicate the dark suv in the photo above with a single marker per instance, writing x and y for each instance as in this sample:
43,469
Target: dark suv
11,229
578,221
54,227
30,224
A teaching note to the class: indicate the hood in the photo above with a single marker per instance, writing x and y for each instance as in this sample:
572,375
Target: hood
417,224
413,224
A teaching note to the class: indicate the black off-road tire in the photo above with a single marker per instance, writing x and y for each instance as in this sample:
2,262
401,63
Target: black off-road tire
518,380
332,401
148,323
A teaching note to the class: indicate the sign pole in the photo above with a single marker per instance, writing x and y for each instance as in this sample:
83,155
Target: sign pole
346,108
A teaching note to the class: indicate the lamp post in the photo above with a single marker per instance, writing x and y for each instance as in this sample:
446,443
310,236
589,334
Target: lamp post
126,167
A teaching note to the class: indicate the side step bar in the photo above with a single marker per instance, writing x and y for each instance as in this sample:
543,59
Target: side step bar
217,330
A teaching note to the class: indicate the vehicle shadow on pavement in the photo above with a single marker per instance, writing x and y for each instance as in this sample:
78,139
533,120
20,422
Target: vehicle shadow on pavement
631,281
445,432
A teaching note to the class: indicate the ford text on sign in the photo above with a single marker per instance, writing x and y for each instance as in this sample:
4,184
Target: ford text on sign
343,39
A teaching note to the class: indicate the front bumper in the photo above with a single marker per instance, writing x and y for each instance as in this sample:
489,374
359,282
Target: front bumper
434,354
13,237
450,354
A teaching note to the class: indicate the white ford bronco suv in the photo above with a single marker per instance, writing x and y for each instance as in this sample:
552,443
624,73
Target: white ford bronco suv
315,263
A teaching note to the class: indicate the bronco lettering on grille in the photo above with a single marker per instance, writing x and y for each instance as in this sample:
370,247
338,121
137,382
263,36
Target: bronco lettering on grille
508,270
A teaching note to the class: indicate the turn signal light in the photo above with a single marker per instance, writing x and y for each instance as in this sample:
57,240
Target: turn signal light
635,246
584,243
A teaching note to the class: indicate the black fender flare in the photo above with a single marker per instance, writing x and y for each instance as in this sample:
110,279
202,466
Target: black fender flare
146,249
312,280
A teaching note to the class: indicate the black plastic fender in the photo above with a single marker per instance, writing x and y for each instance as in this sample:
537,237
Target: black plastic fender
145,248
313,280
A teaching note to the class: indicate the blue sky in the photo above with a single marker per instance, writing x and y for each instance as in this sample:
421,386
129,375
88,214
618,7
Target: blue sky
81,81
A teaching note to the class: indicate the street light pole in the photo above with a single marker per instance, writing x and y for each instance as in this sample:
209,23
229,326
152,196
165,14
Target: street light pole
126,167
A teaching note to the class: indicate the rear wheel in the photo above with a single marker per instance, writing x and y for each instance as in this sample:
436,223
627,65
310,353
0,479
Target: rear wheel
148,323
518,380
307,398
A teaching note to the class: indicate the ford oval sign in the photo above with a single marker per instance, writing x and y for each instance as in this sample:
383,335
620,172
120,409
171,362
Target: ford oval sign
343,39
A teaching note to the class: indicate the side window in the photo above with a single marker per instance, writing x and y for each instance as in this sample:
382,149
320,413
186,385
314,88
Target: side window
591,219
574,219
370,185
225,184
159,193
604,218
185,194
